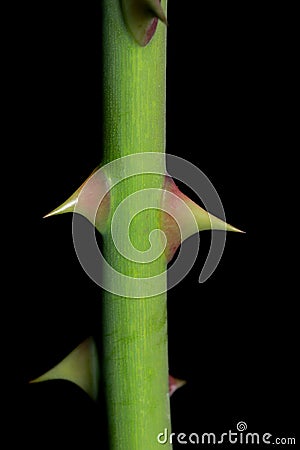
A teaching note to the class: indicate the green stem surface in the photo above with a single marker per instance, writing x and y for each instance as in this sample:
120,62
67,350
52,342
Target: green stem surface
135,359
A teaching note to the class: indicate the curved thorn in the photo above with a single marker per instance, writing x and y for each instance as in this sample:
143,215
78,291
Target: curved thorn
141,18
67,206
80,367
207,221
156,8
200,217
86,199
71,202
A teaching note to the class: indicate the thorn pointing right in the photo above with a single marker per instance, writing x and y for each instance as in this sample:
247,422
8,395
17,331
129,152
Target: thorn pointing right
174,384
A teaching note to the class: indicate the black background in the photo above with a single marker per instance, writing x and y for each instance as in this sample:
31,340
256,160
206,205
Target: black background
231,111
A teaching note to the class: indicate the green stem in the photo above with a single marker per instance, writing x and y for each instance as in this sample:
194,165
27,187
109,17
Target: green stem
135,360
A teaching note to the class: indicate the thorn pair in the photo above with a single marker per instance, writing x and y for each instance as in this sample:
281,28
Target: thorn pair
180,216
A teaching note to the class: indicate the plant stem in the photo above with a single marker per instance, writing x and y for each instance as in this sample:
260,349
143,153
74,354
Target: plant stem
135,360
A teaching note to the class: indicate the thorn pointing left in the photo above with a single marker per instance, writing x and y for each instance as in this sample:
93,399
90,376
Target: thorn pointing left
91,200
67,206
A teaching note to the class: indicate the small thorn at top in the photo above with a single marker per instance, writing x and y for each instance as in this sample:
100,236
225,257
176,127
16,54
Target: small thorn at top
156,8
141,18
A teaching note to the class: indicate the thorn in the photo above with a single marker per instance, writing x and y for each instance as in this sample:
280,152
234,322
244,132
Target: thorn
86,200
81,367
190,218
141,18
174,384
71,202
67,206
156,8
